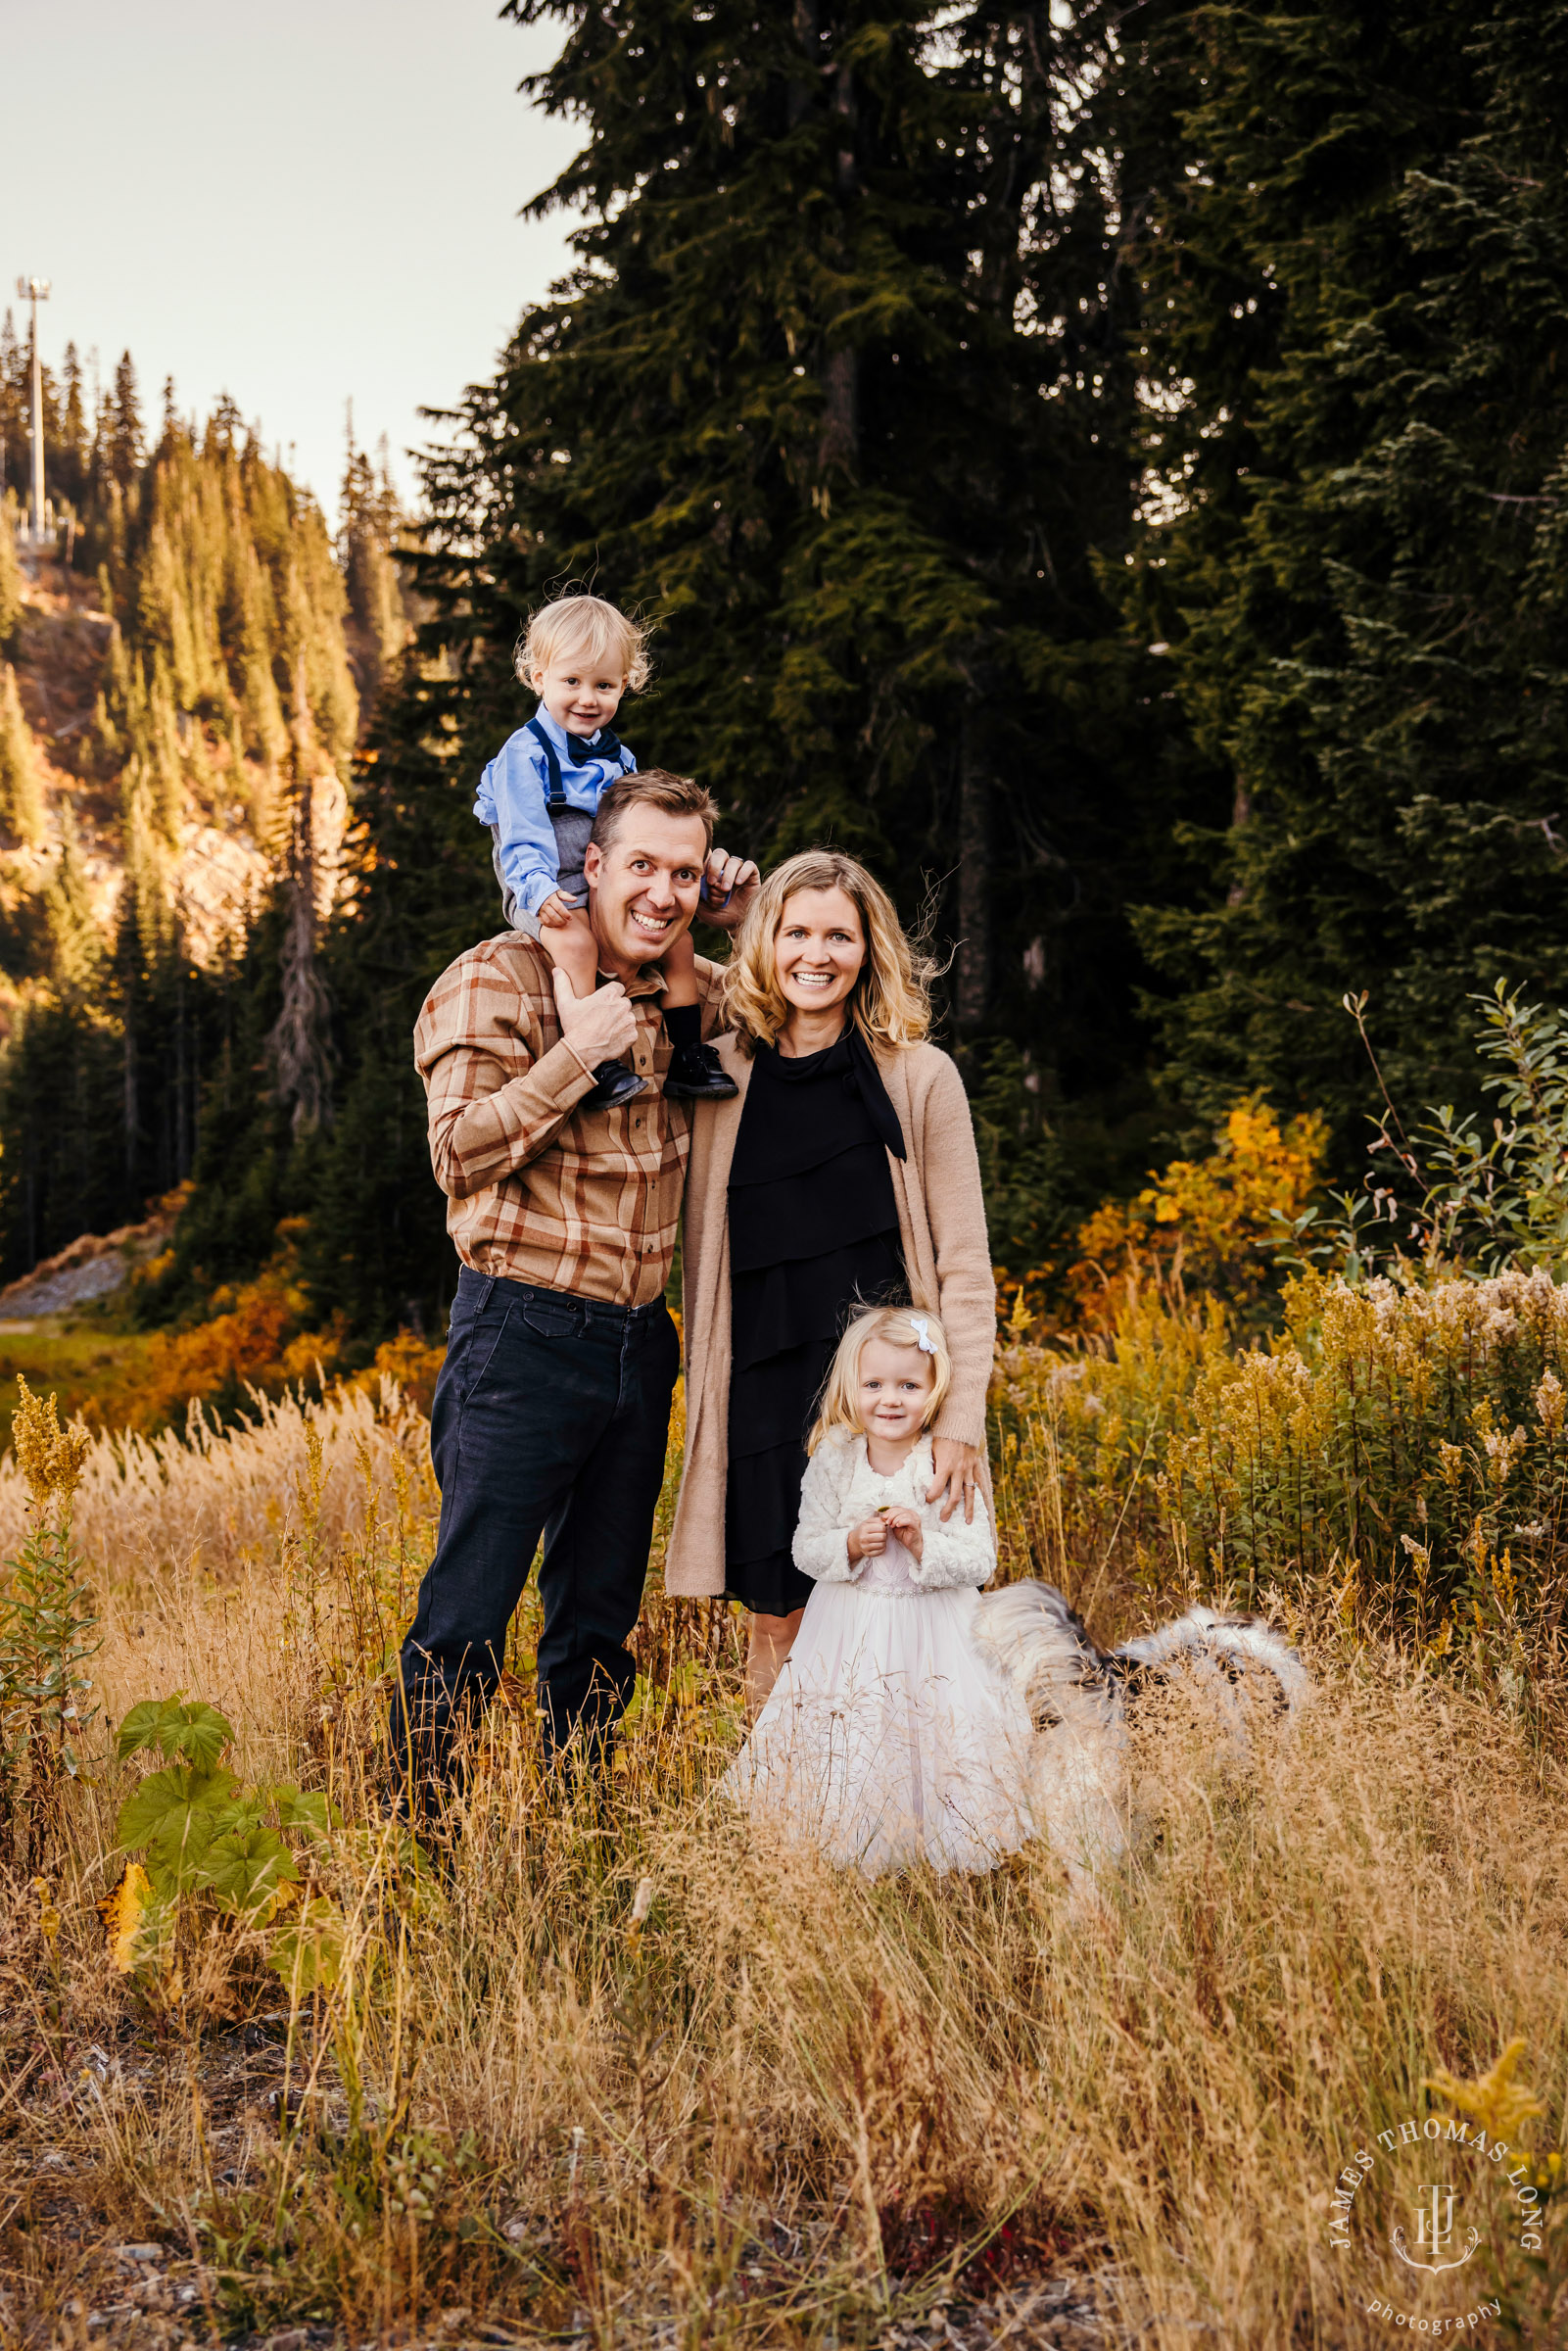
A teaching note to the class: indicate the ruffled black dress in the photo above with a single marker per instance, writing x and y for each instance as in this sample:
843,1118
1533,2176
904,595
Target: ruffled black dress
813,1238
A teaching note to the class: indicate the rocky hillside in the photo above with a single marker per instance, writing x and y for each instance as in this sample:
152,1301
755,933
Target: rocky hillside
184,672
217,871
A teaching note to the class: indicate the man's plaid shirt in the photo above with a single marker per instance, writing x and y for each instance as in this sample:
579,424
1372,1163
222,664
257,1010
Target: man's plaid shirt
537,1189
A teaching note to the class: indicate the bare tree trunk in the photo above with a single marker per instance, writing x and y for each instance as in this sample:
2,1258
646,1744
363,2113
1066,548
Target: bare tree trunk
298,1045
839,448
973,990
132,1112
1241,809
803,89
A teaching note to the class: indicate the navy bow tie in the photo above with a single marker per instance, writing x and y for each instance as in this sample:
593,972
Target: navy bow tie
605,746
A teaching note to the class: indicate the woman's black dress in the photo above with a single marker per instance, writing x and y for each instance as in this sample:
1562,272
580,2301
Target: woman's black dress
813,1238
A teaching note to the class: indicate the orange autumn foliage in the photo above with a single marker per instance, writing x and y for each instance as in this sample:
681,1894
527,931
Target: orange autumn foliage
1210,1223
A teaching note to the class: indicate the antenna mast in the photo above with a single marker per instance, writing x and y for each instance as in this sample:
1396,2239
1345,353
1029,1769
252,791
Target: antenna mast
36,290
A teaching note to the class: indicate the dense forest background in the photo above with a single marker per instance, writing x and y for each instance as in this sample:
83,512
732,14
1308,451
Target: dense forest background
1108,468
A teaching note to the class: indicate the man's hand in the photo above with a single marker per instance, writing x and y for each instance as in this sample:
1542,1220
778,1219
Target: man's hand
556,912
600,1028
868,1540
906,1527
957,1469
728,885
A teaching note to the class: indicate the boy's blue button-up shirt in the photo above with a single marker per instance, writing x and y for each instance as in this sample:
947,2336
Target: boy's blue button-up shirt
514,794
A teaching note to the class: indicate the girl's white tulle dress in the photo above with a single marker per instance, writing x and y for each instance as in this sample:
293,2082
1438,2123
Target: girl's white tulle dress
888,1739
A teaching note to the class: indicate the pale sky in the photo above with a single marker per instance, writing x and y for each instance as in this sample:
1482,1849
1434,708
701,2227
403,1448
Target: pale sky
299,203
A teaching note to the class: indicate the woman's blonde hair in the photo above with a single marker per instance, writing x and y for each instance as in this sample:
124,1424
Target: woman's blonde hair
900,1327
892,1003
586,625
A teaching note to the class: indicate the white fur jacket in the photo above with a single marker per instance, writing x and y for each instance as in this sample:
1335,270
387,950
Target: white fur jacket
842,1488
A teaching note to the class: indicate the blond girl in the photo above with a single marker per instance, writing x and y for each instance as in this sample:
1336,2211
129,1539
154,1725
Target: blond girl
887,1739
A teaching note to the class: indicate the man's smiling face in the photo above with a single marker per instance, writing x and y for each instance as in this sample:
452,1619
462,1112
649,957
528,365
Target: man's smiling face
642,886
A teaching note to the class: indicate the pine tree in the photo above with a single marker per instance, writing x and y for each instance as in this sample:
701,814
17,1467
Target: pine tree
12,409
298,1045
840,394
800,401
10,573
1364,279
378,620
123,446
21,787
70,458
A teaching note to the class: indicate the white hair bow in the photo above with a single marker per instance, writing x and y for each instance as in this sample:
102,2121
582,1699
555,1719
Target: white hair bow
922,1334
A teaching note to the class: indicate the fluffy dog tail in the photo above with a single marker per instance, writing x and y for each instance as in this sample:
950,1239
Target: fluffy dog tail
1217,1650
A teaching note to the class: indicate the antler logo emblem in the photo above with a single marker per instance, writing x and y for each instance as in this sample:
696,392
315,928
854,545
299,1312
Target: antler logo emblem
1434,2232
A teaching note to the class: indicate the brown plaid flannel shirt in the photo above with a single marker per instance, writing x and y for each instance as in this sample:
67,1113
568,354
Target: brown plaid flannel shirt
538,1191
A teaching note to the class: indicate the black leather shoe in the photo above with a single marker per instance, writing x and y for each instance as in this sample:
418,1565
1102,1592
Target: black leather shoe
616,1084
696,1075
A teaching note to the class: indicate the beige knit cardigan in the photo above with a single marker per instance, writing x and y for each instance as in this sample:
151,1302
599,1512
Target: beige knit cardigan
941,1219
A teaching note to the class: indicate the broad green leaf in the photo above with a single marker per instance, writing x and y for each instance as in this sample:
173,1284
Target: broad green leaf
194,1734
174,1815
201,1736
245,1865
308,1953
312,1814
144,1725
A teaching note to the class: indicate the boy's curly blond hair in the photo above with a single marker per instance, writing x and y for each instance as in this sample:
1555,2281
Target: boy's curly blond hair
588,626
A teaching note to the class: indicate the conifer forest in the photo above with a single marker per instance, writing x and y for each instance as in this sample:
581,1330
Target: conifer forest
1107,470
1124,510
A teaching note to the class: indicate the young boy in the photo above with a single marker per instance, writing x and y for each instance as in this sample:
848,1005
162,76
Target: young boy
538,795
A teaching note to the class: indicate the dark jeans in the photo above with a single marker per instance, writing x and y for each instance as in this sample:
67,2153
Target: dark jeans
551,1415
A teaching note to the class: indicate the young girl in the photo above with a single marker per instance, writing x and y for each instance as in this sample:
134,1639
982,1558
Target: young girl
888,1737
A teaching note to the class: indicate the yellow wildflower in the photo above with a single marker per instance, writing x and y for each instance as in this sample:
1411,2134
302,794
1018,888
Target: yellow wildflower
1496,2101
49,1457
48,1916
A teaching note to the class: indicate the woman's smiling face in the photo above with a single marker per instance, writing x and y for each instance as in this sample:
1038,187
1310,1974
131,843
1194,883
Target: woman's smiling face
819,949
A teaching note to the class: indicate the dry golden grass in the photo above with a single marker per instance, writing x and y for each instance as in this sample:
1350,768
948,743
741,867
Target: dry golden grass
219,1501
621,2066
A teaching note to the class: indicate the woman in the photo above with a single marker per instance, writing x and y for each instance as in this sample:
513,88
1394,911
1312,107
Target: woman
843,1175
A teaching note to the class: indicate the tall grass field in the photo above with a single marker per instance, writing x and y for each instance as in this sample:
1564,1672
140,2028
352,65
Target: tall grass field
599,2064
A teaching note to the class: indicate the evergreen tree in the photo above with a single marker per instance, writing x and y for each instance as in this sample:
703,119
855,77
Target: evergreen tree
1363,275
227,601
121,425
841,392
69,458
834,394
21,790
10,573
12,409
378,619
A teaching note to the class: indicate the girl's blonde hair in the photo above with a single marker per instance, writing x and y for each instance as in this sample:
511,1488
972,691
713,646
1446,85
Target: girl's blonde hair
900,1327
892,1003
588,626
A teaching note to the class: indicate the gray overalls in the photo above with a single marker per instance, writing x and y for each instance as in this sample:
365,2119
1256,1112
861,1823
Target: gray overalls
572,827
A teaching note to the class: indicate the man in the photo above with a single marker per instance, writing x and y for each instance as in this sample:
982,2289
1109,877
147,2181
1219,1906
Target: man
551,1412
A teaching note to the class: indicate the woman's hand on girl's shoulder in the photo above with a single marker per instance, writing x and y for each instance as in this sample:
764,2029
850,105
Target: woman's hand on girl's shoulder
957,1475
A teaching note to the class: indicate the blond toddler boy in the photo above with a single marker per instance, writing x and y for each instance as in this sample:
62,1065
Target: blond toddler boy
539,795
